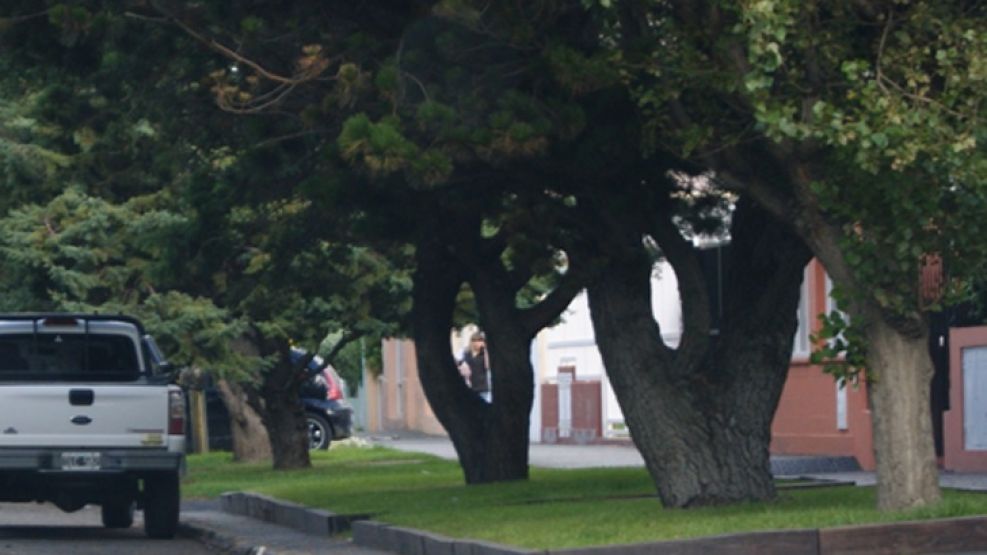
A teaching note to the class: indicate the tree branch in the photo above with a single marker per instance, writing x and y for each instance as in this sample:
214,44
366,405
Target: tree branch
765,196
549,308
880,51
275,140
347,338
696,317
307,75
27,17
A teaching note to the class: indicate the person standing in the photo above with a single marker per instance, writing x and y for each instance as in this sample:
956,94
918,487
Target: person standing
475,366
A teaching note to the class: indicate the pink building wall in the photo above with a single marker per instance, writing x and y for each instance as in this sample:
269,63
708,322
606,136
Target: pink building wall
956,456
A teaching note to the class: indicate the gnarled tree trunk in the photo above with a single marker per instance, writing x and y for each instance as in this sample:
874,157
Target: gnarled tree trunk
491,439
283,416
701,414
276,401
250,441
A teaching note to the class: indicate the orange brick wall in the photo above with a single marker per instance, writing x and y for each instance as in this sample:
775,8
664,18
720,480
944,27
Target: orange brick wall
805,423
806,420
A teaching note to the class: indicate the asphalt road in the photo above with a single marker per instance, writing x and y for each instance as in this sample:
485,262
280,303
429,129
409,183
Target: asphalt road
29,528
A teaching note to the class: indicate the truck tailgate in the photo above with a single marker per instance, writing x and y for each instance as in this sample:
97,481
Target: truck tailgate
118,416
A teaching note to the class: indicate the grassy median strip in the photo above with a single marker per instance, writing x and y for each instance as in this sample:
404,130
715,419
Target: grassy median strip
555,508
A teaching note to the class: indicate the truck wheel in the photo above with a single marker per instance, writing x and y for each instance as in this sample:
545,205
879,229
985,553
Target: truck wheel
319,432
118,514
161,505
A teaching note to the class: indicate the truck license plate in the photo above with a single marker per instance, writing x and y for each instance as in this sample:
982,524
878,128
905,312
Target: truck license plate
80,461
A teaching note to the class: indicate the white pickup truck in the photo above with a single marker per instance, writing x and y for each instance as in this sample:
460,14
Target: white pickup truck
88,416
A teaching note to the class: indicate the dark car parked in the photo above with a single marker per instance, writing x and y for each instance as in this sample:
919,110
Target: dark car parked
323,395
329,416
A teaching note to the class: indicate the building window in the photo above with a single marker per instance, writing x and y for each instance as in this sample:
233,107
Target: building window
801,347
831,303
841,384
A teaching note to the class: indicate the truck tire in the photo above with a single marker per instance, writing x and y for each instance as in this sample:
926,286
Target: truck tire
118,514
161,505
319,432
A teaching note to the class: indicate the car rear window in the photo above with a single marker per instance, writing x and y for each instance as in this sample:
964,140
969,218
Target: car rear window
68,357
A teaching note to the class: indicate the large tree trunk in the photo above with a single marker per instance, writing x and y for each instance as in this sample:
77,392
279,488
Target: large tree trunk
701,414
287,429
284,418
901,369
491,440
276,401
250,441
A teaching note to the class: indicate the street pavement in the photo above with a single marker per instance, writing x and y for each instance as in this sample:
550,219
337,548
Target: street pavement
43,529
239,534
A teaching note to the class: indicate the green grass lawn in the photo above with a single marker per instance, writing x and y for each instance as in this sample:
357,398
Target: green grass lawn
555,508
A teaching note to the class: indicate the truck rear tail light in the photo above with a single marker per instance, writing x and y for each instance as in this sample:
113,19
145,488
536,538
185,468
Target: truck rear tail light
176,413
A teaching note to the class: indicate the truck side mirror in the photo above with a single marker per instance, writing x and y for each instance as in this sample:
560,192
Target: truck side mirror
169,370
160,368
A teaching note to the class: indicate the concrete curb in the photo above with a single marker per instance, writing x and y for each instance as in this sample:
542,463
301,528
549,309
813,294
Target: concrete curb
941,535
952,535
224,543
408,541
291,515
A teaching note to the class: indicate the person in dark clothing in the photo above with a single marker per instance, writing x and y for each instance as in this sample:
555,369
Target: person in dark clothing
475,366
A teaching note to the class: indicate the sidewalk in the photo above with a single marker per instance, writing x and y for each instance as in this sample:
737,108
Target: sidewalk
539,454
952,480
839,469
240,535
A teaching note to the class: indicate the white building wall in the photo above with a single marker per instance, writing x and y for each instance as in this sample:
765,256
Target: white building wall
573,343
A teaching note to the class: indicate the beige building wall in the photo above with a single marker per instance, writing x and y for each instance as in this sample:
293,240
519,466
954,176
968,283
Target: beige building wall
395,400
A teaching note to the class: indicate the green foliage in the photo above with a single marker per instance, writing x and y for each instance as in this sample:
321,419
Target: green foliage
436,116
195,333
581,74
73,21
878,109
840,348
28,153
380,147
904,128
74,248
80,253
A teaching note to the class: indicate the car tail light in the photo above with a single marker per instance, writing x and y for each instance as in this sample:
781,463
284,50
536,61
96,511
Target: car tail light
176,413
333,391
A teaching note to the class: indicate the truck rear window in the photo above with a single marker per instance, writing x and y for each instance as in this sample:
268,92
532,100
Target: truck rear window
67,357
